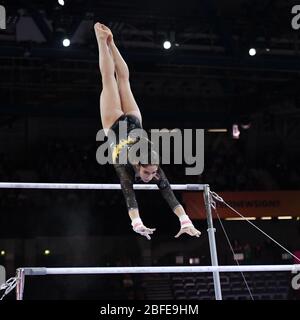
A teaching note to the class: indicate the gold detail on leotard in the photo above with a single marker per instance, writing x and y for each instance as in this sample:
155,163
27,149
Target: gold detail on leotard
117,148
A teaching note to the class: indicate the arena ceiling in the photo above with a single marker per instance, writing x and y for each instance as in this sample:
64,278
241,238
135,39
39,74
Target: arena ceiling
208,64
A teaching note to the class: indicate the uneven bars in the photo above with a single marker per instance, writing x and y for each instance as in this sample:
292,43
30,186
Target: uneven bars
22,272
94,186
116,270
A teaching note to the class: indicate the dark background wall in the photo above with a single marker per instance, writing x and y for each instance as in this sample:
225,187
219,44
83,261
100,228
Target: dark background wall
49,118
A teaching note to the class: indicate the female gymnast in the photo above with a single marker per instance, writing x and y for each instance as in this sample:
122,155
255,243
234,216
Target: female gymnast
117,104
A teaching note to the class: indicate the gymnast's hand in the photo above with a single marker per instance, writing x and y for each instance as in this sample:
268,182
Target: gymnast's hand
138,227
186,226
144,231
192,231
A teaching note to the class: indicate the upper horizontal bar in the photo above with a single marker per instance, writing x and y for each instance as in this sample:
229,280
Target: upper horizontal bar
93,186
115,270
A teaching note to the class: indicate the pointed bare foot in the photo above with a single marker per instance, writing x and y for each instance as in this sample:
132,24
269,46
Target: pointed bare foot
110,37
101,33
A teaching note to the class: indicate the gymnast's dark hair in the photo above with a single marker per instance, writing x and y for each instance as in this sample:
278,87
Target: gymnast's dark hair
149,158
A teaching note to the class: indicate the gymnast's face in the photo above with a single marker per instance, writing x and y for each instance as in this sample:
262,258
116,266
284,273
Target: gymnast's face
147,173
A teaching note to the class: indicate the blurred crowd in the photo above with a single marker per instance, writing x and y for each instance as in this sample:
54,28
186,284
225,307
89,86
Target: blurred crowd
228,167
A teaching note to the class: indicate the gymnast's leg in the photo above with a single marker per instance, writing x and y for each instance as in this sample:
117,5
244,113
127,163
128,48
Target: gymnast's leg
128,103
110,102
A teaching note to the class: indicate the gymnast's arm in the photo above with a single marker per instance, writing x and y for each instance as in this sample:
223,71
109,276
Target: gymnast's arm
168,194
126,181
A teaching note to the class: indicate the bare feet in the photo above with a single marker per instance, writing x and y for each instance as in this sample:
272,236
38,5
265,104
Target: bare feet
103,33
110,37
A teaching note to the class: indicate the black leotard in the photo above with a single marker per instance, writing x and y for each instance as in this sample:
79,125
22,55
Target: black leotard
128,175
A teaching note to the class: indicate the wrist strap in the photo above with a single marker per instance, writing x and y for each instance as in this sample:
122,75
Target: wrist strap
136,222
185,221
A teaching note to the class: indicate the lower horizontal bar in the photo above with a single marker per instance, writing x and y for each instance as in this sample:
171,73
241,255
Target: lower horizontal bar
93,186
116,270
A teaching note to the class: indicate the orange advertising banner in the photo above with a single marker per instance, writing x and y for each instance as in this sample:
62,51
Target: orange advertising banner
249,204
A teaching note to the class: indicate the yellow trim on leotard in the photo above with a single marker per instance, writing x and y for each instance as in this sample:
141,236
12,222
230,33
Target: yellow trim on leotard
117,148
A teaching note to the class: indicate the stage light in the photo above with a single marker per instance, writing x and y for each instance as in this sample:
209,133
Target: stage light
240,218
217,130
246,126
167,45
235,131
66,42
252,52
